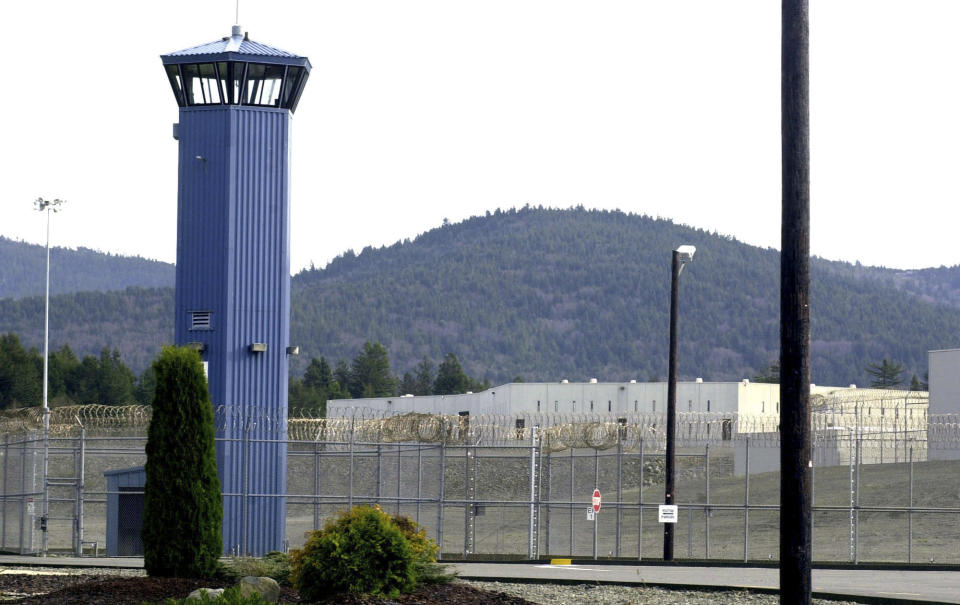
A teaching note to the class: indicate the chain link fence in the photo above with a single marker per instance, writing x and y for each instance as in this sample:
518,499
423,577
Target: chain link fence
886,480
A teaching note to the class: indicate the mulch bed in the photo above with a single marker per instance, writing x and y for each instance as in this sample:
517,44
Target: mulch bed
111,590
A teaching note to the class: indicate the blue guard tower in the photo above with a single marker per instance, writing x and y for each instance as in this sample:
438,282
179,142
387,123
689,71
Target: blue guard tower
236,99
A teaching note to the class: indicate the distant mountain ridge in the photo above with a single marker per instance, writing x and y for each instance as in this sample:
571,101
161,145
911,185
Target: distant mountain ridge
23,268
550,294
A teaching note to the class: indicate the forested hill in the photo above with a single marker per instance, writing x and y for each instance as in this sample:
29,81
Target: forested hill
23,266
548,294
551,294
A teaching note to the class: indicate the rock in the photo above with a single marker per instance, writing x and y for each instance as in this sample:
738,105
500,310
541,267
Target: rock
197,594
268,588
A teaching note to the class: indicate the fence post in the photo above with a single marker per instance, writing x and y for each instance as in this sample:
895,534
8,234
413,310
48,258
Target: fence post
596,517
852,486
83,454
570,507
399,469
549,496
6,475
640,508
379,469
619,487
856,524
316,485
350,471
443,471
706,510
533,493
419,476
466,501
23,492
910,514
246,488
746,500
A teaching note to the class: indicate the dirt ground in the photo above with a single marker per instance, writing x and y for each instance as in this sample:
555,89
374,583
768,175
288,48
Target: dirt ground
111,590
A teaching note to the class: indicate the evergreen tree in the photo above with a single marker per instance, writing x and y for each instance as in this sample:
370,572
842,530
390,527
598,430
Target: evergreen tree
886,374
318,374
370,372
116,384
63,366
423,383
21,374
451,379
183,511
771,375
342,375
915,384
146,386
408,384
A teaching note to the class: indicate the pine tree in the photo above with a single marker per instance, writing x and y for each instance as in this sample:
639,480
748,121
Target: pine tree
451,379
424,378
370,372
183,510
886,374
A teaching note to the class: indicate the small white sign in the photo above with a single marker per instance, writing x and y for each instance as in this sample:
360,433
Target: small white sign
591,516
667,513
31,510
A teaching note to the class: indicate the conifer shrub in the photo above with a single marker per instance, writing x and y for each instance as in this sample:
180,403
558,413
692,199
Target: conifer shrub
426,570
183,510
361,551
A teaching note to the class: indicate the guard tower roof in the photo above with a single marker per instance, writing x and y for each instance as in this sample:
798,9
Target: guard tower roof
236,47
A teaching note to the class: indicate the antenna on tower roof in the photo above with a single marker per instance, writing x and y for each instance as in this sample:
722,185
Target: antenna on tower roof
237,20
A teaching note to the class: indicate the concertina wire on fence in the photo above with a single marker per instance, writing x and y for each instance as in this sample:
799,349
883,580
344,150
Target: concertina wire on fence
868,419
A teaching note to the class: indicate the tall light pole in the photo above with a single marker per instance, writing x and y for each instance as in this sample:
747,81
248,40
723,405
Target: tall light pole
681,256
47,206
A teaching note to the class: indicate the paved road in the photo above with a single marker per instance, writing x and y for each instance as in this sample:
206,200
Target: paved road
922,586
925,586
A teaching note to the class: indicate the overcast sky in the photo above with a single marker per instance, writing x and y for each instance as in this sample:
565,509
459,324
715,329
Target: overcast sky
419,110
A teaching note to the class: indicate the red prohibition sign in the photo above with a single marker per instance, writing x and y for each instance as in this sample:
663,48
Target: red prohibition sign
596,501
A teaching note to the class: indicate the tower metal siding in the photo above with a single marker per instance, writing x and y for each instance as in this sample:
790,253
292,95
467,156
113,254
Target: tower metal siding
233,259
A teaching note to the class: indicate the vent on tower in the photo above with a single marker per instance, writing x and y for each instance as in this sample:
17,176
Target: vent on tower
200,320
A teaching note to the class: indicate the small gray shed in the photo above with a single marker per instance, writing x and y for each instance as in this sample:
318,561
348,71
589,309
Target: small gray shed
125,511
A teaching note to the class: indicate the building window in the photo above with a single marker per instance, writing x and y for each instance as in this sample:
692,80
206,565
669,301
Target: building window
636,405
609,406
556,406
591,406
654,408
538,407
708,405
201,320
763,407
690,405
519,426
778,407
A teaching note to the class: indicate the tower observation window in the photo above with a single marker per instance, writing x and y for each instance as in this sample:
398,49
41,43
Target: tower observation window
173,73
236,83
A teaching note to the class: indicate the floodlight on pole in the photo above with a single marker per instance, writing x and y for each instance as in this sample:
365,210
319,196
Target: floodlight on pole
681,256
47,206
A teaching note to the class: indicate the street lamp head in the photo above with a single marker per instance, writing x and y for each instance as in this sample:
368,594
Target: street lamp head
42,204
685,252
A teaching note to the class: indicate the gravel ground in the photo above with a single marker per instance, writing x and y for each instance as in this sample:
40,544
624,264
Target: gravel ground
582,594
47,578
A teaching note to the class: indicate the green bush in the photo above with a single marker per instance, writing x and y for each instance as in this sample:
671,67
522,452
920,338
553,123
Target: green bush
274,565
183,512
361,551
426,569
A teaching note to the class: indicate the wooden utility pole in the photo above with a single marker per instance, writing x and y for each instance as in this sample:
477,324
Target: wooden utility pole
795,477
